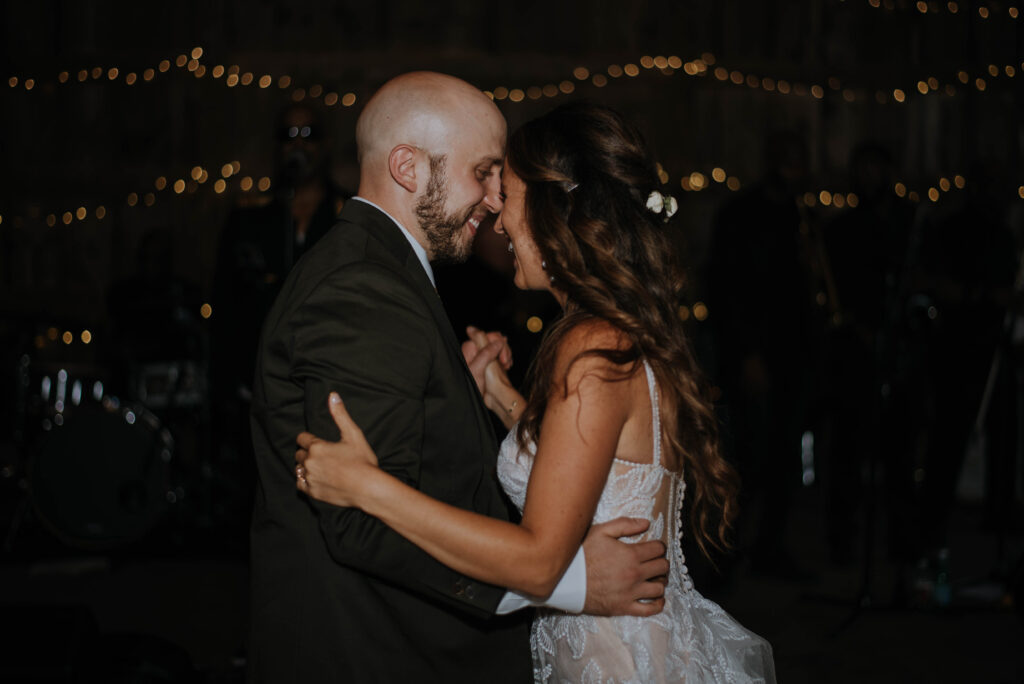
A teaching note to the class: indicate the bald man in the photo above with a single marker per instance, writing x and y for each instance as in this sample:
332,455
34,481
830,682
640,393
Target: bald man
336,595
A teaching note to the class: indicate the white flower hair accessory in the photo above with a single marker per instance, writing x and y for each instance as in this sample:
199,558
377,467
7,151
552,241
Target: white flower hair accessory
658,203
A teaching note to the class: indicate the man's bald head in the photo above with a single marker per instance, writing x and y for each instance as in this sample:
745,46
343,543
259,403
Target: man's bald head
424,109
431,148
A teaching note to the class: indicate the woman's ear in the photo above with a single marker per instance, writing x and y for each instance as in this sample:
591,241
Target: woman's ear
402,165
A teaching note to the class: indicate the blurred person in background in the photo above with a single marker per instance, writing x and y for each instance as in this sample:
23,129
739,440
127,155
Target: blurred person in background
261,241
869,378
761,304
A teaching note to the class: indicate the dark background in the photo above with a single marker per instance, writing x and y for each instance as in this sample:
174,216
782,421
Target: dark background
167,585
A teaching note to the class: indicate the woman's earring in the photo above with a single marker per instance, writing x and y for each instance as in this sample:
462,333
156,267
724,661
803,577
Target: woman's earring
544,267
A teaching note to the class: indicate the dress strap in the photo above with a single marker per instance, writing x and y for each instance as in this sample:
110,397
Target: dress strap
652,390
679,572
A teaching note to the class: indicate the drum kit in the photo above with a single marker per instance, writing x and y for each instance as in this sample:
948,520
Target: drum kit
97,463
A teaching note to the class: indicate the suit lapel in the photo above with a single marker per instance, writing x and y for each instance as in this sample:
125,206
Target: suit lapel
433,300
380,227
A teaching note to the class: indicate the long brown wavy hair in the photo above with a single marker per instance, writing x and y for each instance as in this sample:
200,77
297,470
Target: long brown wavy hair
588,176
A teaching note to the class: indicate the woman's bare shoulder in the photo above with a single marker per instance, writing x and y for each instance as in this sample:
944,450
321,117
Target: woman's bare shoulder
592,334
575,359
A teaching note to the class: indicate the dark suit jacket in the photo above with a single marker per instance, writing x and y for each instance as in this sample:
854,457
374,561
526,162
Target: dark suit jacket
337,596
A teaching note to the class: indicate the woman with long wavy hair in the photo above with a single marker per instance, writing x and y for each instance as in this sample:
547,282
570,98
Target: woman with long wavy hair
617,422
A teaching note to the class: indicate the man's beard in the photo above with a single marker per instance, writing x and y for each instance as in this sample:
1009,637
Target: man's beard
442,230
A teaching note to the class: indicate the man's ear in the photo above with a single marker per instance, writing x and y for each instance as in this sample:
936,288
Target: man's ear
402,165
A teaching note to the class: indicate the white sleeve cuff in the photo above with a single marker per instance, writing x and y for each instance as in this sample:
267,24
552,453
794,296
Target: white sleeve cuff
569,595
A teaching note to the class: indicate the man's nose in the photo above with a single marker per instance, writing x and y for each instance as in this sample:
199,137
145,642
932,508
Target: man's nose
492,198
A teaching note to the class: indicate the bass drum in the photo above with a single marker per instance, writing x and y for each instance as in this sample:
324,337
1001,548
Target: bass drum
100,475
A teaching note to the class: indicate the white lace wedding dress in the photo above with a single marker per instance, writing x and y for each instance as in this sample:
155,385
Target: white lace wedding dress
692,640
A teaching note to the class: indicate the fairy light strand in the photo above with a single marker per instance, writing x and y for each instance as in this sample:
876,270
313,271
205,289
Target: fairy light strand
696,181
985,11
166,184
233,76
702,67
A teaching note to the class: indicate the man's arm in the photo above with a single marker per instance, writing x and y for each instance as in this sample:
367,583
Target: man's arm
366,334
607,576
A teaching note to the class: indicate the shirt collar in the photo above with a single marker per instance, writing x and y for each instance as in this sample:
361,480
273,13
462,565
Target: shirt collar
421,253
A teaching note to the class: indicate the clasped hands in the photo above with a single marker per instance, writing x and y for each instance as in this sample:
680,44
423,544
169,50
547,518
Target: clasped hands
489,357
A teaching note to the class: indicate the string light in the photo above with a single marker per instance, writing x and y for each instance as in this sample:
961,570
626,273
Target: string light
667,66
196,176
699,67
935,8
191,62
696,181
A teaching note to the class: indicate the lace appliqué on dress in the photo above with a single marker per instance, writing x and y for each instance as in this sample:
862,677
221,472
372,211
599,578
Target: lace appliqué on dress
691,640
